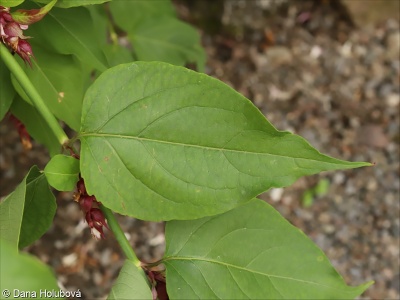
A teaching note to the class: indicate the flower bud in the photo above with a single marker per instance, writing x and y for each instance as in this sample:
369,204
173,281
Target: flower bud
24,50
86,202
89,205
80,185
12,35
96,221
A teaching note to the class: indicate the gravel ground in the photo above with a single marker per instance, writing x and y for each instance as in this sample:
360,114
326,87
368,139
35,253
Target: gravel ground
311,70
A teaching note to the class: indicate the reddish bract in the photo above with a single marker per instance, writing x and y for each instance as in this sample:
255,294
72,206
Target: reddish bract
90,206
12,36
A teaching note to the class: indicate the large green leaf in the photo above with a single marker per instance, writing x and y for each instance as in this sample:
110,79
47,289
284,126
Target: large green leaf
35,124
250,252
22,272
169,40
130,284
61,81
128,14
7,91
69,31
27,213
62,172
161,142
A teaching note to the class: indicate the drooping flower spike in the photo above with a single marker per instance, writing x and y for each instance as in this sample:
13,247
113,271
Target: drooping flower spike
90,207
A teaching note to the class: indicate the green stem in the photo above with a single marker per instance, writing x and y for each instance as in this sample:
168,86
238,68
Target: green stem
32,93
120,236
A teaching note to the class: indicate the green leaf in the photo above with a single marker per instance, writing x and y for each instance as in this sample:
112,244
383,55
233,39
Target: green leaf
98,14
62,172
61,81
11,3
74,3
7,91
156,33
117,54
36,126
128,14
161,142
11,213
27,213
250,252
169,40
39,209
70,31
130,284
23,272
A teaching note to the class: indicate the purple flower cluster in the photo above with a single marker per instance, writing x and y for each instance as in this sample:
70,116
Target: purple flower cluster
90,207
12,35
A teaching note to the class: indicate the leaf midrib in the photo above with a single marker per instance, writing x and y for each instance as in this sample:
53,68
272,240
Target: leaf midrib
207,260
105,135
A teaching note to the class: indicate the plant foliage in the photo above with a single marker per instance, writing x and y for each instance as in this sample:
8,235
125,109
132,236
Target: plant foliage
158,142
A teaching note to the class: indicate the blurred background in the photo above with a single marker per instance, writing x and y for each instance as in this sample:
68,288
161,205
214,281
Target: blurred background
326,70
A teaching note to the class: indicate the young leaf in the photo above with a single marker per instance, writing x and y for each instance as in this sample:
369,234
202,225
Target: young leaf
160,142
7,91
130,284
23,272
35,124
250,252
27,213
62,172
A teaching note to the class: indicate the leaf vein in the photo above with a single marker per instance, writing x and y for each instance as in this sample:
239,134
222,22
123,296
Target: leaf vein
180,258
137,178
237,283
110,135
